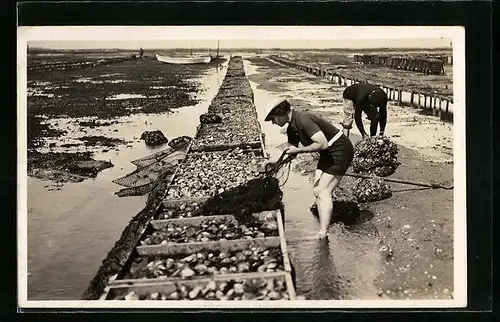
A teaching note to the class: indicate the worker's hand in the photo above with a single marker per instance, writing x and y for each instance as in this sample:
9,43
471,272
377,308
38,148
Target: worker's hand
267,165
291,150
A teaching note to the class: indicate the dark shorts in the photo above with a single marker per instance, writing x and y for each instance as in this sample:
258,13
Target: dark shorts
377,100
337,159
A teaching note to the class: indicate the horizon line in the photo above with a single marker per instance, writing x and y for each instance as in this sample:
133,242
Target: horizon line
246,48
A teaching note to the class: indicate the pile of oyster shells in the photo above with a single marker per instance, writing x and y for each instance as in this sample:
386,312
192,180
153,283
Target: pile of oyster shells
213,230
367,190
376,155
239,289
211,173
207,263
227,133
235,73
183,210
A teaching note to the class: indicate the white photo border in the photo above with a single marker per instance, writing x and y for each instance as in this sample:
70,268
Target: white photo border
127,33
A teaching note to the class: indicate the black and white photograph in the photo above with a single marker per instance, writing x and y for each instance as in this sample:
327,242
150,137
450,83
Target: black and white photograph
241,167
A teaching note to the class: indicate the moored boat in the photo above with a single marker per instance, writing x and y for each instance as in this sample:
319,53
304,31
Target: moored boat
183,60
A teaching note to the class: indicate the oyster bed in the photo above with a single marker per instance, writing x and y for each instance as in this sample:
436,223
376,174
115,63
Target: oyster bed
214,230
206,263
233,289
182,210
231,117
215,178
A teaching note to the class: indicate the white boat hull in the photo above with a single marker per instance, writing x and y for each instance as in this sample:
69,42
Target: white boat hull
184,60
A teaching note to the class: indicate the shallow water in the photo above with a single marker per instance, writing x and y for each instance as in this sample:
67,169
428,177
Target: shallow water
71,230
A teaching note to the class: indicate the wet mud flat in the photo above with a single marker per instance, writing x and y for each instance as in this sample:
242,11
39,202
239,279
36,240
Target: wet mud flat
410,252
78,109
345,65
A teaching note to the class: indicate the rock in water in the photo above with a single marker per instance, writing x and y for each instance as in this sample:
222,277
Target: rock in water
375,156
154,138
179,141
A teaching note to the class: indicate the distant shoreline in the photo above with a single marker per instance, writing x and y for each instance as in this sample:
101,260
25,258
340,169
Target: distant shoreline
256,50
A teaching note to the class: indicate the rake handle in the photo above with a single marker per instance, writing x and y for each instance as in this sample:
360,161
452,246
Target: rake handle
414,183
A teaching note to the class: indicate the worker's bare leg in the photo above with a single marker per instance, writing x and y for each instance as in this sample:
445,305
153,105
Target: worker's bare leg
323,192
317,176
374,126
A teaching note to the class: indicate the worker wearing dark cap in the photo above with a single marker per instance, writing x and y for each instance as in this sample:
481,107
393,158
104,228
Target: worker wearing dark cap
367,98
315,134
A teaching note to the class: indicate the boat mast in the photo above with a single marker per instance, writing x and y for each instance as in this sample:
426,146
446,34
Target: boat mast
218,41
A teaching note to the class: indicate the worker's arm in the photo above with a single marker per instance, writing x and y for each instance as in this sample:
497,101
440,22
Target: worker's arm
292,141
359,122
348,108
320,143
382,118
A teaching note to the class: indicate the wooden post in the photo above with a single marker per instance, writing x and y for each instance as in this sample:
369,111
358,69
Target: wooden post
447,110
433,105
411,98
440,108
425,101
419,100
400,99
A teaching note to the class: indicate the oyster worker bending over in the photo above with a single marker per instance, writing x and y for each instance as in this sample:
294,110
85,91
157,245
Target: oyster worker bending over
368,98
316,135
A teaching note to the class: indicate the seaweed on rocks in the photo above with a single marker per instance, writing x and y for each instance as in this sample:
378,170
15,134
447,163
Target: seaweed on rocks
153,138
79,163
36,131
95,140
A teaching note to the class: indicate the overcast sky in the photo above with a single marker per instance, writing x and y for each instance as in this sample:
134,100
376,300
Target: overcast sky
315,37
246,43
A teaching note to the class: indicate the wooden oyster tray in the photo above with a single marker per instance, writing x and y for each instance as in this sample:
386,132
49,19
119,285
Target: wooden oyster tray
170,286
225,245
